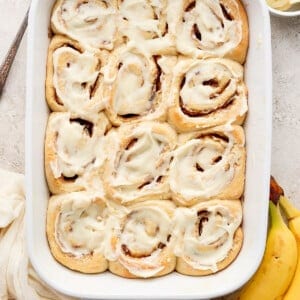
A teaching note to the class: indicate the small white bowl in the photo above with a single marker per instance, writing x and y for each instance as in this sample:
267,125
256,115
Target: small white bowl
293,12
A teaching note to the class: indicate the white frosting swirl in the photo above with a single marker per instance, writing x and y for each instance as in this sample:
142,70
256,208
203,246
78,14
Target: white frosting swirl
80,225
204,235
134,84
78,145
205,27
92,22
211,84
204,165
140,162
143,239
75,79
144,23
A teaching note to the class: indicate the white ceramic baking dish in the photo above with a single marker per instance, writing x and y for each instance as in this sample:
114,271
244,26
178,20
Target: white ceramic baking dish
173,286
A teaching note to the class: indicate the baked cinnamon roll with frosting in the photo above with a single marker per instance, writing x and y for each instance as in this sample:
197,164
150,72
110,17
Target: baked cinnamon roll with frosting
138,165
74,152
140,241
74,80
145,26
135,86
208,165
207,93
91,22
207,237
76,231
210,28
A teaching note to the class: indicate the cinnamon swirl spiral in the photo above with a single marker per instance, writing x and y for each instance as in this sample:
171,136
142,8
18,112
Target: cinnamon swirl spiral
76,231
91,22
207,93
208,165
145,25
140,243
137,168
208,236
134,86
74,152
74,80
210,28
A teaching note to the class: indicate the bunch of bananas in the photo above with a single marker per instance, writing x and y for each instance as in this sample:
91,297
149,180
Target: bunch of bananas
278,276
282,5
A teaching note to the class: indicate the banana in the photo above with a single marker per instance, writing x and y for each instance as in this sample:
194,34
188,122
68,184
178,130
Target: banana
276,271
279,4
293,216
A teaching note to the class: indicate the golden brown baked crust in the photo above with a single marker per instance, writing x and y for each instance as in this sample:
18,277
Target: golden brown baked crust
207,93
73,79
148,226
137,167
200,254
224,33
93,262
74,152
208,164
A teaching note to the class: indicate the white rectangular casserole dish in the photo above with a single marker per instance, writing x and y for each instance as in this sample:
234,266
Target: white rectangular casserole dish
174,286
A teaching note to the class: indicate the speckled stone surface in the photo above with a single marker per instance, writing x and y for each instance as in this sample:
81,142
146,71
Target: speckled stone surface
286,98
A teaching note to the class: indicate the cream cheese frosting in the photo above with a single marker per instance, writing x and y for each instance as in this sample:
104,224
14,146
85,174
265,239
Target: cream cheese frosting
140,161
76,150
93,23
80,226
75,77
144,237
204,164
204,234
205,27
135,85
144,24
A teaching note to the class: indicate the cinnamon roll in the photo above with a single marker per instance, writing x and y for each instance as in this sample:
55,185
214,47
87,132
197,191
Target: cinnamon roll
145,25
74,81
207,93
74,152
76,231
140,241
91,22
135,85
208,164
137,168
210,28
208,236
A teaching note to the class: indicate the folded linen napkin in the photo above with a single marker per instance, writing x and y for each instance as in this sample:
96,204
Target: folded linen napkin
18,280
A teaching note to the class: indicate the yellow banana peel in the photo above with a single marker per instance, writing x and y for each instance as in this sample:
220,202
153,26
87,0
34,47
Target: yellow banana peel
293,216
278,266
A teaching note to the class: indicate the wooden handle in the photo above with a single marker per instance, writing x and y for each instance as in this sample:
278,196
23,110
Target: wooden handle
10,56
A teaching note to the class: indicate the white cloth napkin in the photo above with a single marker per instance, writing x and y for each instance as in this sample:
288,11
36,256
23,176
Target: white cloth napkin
18,280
